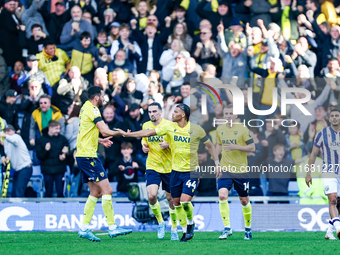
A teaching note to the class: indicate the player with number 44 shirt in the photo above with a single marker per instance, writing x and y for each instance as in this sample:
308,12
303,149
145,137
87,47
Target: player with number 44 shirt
184,139
234,142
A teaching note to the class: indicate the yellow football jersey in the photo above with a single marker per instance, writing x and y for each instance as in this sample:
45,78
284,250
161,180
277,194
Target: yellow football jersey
233,160
87,140
184,144
158,160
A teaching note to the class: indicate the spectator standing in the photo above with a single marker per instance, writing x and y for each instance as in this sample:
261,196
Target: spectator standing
28,104
223,14
14,76
33,73
42,116
151,45
71,89
16,152
31,16
35,43
53,62
55,21
73,28
51,150
10,26
9,110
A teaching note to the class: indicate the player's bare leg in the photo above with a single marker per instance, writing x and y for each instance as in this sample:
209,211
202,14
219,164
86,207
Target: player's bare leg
107,191
173,217
156,209
85,232
246,210
224,210
333,211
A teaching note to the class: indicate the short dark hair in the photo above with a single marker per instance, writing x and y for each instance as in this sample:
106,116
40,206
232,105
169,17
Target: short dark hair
186,109
53,123
316,2
334,110
94,91
85,35
124,25
186,83
255,130
35,26
156,104
49,42
333,59
180,9
45,96
126,145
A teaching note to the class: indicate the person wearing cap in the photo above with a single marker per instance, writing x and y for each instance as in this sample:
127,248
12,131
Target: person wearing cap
151,44
114,32
32,72
30,17
55,21
17,153
235,33
223,14
9,110
35,43
73,28
10,26
54,62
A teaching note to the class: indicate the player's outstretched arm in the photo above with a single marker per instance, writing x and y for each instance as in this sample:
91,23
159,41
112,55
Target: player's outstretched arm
141,133
105,131
311,161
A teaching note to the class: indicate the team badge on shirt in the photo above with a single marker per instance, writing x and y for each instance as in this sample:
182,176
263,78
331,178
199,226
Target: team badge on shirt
95,112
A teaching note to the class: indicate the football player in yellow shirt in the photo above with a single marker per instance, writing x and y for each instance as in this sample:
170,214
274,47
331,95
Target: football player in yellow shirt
184,140
93,172
157,171
234,142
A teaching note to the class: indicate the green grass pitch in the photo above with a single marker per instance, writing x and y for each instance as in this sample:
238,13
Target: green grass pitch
49,243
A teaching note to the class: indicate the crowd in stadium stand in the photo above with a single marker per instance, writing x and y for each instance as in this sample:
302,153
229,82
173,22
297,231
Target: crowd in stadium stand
151,51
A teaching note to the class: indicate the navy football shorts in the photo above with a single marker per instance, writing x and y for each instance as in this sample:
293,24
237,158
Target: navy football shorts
183,182
154,177
240,181
92,169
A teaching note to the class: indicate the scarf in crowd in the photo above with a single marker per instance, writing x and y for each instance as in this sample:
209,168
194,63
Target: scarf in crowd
285,22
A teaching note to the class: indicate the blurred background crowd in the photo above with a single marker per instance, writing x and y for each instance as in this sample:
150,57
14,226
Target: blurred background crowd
141,52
